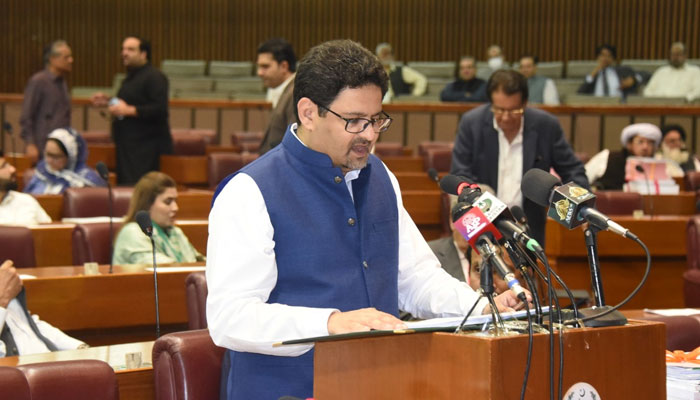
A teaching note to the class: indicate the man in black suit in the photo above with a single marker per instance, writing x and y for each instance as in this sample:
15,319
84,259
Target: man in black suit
498,142
609,79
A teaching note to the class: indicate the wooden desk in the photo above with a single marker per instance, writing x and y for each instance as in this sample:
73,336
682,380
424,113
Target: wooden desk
186,170
670,204
403,163
416,181
105,309
53,243
134,384
623,262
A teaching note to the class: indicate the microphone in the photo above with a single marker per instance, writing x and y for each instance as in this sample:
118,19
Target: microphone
144,221
104,174
433,174
570,205
490,254
520,217
455,185
641,169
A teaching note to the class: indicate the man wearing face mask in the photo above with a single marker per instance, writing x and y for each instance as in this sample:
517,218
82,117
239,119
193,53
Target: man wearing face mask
403,80
673,148
678,79
17,208
495,61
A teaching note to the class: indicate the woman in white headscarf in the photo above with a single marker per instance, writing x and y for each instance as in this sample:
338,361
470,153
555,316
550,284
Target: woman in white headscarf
63,165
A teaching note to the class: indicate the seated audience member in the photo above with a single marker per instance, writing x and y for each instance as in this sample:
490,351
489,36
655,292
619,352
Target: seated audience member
403,80
606,170
494,61
63,165
678,79
673,148
156,193
541,90
22,333
609,79
466,87
17,208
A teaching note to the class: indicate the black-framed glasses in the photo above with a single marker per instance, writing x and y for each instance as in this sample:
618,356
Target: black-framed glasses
358,125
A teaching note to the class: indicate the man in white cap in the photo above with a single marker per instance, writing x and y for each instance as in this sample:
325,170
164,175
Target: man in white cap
606,170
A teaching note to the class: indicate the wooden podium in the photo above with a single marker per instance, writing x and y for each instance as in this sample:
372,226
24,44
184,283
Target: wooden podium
624,362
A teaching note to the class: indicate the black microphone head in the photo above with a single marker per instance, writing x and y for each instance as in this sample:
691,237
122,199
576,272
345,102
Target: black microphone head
433,174
537,186
144,221
102,170
7,127
454,184
519,214
459,209
567,202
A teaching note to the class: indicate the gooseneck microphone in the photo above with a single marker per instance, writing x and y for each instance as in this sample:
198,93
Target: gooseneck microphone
570,205
144,221
641,169
104,174
433,175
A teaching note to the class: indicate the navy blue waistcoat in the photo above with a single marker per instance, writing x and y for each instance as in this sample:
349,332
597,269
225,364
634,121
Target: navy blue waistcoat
330,252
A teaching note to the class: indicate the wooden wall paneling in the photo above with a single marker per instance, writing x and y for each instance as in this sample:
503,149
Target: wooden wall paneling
652,119
231,121
565,122
614,124
180,117
77,118
395,132
418,128
446,126
97,121
206,118
587,138
257,119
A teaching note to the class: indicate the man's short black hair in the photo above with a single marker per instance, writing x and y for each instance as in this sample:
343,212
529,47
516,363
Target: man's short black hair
509,82
333,66
144,45
535,59
612,49
673,127
281,50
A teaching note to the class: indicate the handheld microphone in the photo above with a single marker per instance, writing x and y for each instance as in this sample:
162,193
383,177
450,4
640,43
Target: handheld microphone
104,174
570,205
641,169
433,174
144,221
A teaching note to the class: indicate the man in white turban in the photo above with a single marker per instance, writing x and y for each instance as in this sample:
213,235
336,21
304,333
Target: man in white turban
606,170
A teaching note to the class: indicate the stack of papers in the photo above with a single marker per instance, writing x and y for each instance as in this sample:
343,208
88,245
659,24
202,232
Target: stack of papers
682,381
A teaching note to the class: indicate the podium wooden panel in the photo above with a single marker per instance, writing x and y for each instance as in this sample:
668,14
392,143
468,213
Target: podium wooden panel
619,362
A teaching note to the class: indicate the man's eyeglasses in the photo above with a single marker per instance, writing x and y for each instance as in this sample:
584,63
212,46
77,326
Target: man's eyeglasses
514,113
358,125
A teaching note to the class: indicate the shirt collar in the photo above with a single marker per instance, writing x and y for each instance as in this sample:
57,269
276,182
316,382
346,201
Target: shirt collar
518,137
349,176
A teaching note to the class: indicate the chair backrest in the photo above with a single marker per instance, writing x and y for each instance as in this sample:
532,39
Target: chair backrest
693,242
96,136
423,147
434,69
230,69
240,137
91,242
71,380
14,384
618,203
17,244
691,288
438,158
94,202
183,67
186,144
682,332
196,294
692,180
384,149
187,365
221,165
580,68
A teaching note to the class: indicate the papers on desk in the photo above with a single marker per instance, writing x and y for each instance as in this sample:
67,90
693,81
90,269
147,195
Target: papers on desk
674,312
683,381
91,220
162,270
453,322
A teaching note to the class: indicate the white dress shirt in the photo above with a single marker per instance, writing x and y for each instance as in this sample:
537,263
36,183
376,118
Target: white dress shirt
21,209
613,83
675,82
26,340
550,96
510,167
242,272
273,94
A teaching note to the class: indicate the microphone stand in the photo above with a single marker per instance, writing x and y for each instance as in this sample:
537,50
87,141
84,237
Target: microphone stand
521,264
155,286
615,318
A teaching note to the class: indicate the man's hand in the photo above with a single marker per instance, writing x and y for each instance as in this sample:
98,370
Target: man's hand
627,83
32,153
507,302
362,320
10,284
121,109
99,99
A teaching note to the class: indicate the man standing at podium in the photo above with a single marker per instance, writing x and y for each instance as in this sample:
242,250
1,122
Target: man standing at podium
312,238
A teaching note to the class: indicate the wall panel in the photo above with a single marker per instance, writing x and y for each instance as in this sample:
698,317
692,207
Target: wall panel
419,29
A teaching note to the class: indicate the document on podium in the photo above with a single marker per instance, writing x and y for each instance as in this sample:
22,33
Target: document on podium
447,324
